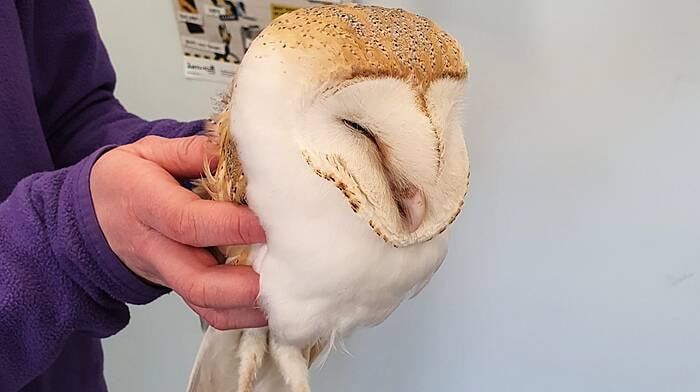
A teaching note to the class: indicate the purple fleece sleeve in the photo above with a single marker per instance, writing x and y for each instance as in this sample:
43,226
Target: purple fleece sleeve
58,275
74,81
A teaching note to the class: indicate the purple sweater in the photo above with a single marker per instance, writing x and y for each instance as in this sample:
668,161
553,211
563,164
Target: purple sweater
61,287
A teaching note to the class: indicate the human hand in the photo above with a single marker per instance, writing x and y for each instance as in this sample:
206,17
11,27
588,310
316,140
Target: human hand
158,228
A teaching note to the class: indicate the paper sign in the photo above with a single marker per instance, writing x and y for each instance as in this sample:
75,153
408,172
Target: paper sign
215,34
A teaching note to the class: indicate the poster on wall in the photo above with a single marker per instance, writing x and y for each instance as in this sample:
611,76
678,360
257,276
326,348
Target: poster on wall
215,34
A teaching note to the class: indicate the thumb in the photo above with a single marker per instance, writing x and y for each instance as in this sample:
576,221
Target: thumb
181,157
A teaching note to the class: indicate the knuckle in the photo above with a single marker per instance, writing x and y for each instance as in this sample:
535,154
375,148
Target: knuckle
189,145
146,145
185,227
196,293
150,140
232,323
243,227
146,243
250,291
187,148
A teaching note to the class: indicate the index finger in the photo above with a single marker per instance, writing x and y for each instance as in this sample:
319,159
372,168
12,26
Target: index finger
182,216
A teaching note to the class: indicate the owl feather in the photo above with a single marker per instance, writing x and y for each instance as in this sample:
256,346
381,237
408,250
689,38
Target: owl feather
249,349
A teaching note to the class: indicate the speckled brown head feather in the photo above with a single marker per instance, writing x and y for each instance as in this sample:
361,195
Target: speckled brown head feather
348,42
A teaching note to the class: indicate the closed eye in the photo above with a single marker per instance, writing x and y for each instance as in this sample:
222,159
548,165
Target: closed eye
358,128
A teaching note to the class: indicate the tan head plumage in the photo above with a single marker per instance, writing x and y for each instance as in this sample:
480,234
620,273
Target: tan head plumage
349,41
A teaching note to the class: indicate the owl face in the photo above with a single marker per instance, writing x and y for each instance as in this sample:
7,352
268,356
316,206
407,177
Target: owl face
368,100
401,166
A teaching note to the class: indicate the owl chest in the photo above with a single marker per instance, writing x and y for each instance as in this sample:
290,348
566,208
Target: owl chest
330,274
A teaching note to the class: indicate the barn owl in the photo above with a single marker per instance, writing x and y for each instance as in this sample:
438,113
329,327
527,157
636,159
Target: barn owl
342,131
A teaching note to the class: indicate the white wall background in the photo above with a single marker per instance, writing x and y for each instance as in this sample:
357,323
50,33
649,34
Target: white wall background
575,264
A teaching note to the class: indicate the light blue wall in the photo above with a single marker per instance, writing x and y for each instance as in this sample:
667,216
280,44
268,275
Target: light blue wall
575,264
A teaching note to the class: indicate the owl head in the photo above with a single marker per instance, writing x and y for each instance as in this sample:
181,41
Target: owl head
365,101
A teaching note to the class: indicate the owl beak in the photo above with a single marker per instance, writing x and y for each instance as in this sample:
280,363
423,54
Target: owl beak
413,209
